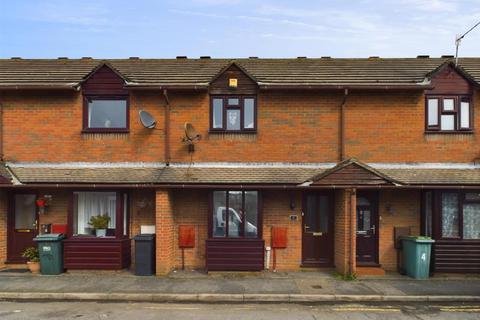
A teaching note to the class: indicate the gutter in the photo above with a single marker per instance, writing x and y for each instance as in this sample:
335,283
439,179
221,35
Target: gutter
343,87
232,186
1,128
342,127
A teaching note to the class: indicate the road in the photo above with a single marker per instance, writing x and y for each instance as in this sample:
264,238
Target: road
145,311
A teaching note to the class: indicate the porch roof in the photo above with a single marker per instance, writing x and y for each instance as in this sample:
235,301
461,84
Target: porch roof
234,173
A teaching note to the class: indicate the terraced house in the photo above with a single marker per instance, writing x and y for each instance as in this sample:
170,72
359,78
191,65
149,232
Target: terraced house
321,160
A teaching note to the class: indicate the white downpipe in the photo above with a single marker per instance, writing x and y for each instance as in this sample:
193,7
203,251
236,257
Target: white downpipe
267,258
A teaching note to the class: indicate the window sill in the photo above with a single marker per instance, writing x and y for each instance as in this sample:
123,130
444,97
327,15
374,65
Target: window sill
105,131
450,132
231,132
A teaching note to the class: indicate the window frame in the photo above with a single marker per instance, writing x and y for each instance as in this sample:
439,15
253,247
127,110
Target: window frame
456,112
226,107
87,129
227,220
437,221
120,227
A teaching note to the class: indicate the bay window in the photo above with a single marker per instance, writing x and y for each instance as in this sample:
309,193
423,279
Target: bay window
88,204
448,113
233,114
235,214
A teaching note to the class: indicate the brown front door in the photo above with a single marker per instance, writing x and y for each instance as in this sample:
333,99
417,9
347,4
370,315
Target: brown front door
317,230
367,228
22,225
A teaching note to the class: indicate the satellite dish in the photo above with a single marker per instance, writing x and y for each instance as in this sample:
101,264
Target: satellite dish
147,120
191,135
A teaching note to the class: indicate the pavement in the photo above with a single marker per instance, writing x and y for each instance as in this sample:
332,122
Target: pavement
193,287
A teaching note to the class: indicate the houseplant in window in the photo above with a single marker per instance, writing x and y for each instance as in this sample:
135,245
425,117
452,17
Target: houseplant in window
100,224
33,259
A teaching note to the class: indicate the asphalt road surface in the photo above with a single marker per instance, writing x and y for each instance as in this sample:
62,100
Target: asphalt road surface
145,311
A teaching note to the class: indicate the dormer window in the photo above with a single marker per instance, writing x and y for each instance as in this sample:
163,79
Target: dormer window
106,113
448,113
233,114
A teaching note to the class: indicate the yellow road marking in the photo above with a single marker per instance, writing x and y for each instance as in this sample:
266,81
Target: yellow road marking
460,309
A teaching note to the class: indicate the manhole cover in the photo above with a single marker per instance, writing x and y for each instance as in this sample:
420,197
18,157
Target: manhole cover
317,286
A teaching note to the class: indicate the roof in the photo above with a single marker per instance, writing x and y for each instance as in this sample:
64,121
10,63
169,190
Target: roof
68,73
279,174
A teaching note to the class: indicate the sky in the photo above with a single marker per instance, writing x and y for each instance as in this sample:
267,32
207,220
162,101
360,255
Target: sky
236,28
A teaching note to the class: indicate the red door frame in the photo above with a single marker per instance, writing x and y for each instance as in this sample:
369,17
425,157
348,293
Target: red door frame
11,233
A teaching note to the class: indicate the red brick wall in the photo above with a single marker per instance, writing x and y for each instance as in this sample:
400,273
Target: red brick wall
191,208
344,232
46,126
276,213
165,226
292,127
397,208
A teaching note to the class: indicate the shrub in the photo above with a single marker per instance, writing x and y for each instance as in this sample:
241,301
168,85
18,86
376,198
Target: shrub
31,254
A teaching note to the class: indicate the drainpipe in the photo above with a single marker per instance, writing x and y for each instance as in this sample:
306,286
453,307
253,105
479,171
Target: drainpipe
1,129
353,213
167,127
342,126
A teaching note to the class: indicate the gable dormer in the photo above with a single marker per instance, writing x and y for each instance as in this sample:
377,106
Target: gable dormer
105,101
233,101
104,79
233,80
449,105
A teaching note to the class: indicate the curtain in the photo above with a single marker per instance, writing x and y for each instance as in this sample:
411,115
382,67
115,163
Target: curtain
93,204
450,215
471,221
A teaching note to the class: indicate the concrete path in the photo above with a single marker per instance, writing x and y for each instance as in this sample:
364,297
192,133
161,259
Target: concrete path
195,286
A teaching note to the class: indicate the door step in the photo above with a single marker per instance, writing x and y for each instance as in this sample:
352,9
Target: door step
370,271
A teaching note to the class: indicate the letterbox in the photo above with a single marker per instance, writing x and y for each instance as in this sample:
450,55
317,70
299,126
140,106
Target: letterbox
186,236
279,237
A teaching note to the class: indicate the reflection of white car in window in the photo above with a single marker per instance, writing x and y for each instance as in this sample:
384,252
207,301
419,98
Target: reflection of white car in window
235,221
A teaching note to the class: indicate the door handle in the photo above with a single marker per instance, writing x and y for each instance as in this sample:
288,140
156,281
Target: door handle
305,227
373,229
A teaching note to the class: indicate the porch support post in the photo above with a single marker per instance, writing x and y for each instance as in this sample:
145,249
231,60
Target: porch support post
3,227
164,226
345,231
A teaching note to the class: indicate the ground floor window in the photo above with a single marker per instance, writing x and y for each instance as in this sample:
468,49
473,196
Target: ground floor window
113,205
235,214
457,214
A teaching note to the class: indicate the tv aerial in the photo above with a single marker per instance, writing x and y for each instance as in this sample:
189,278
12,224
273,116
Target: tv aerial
458,39
147,120
191,136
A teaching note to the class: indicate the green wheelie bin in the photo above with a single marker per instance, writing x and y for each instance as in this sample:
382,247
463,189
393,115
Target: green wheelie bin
416,256
50,249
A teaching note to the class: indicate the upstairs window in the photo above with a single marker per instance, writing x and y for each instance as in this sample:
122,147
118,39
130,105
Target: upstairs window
448,113
105,114
233,114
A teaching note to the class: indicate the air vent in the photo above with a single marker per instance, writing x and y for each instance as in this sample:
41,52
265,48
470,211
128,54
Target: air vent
423,56
373,57
302,57
62,58
182,57
86,58
204,57
16,58
133,58
252,57
326,57
447,56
